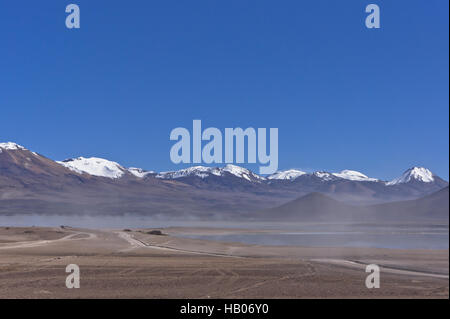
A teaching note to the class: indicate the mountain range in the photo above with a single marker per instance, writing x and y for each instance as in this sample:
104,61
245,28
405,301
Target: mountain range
30,183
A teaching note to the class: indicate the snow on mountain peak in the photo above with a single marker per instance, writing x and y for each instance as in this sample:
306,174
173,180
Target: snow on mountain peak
199,171
104,168
324,176
139,172
10,146
289,174
94,166
241,172
354,176
292,174
203,172
420,174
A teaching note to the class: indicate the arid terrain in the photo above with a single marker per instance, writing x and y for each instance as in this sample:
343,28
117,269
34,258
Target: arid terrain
134,264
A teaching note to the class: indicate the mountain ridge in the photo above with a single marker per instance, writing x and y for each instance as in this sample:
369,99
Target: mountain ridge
30,182
113,170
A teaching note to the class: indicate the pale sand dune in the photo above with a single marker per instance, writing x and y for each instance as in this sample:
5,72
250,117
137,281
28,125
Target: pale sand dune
118,264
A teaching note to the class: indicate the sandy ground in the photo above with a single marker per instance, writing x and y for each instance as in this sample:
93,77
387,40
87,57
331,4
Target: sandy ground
134,264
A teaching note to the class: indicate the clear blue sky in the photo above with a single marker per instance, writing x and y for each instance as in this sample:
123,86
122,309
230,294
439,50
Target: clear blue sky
342,96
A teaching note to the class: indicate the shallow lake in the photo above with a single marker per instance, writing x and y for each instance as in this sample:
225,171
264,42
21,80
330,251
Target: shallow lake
422,240
401,236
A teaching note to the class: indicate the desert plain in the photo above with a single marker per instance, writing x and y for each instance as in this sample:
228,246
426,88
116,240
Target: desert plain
142,263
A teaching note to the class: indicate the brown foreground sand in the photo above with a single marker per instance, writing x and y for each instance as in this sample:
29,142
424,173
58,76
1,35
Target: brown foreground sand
134,264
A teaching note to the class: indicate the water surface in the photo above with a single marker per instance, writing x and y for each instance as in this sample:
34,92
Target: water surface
401,236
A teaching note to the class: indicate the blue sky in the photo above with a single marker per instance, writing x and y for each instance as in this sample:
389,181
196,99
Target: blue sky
342,96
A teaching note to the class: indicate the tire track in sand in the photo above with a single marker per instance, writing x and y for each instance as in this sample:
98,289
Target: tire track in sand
38,243
387,269
136,243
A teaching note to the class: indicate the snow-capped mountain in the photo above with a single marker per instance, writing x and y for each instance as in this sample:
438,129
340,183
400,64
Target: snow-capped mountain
22,167
139,172
101,167
204,172
199,171
105,168
324,176
292,174
10,146
94,166
419,174
242,173
354,176
100,185
289,174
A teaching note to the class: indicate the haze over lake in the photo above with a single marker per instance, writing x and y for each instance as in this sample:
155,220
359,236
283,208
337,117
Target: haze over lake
395,236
